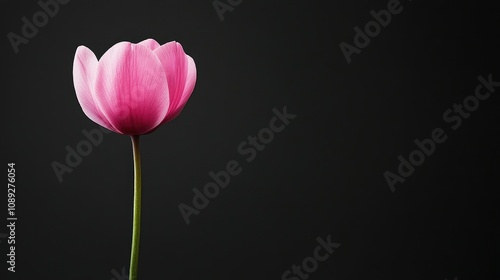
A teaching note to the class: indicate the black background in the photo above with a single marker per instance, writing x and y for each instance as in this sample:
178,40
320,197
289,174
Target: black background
323,175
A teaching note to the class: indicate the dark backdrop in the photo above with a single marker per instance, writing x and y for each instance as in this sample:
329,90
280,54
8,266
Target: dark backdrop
323,175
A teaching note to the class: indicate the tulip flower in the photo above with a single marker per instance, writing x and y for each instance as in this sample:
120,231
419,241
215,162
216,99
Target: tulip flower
132,90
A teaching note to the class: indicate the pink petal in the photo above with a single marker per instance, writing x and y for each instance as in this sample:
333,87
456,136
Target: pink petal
175,65
131,88
188,89
84,72
150,44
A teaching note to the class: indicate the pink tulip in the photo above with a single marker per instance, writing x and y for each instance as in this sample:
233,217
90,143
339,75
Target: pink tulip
134,88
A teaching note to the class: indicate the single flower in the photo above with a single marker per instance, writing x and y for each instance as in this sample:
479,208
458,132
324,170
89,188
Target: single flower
132,90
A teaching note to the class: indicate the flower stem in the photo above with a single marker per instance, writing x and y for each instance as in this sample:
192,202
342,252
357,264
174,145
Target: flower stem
136,226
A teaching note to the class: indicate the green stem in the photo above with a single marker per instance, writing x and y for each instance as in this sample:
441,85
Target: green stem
136,226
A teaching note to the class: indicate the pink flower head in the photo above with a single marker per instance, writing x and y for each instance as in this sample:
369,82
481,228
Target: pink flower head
134,88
